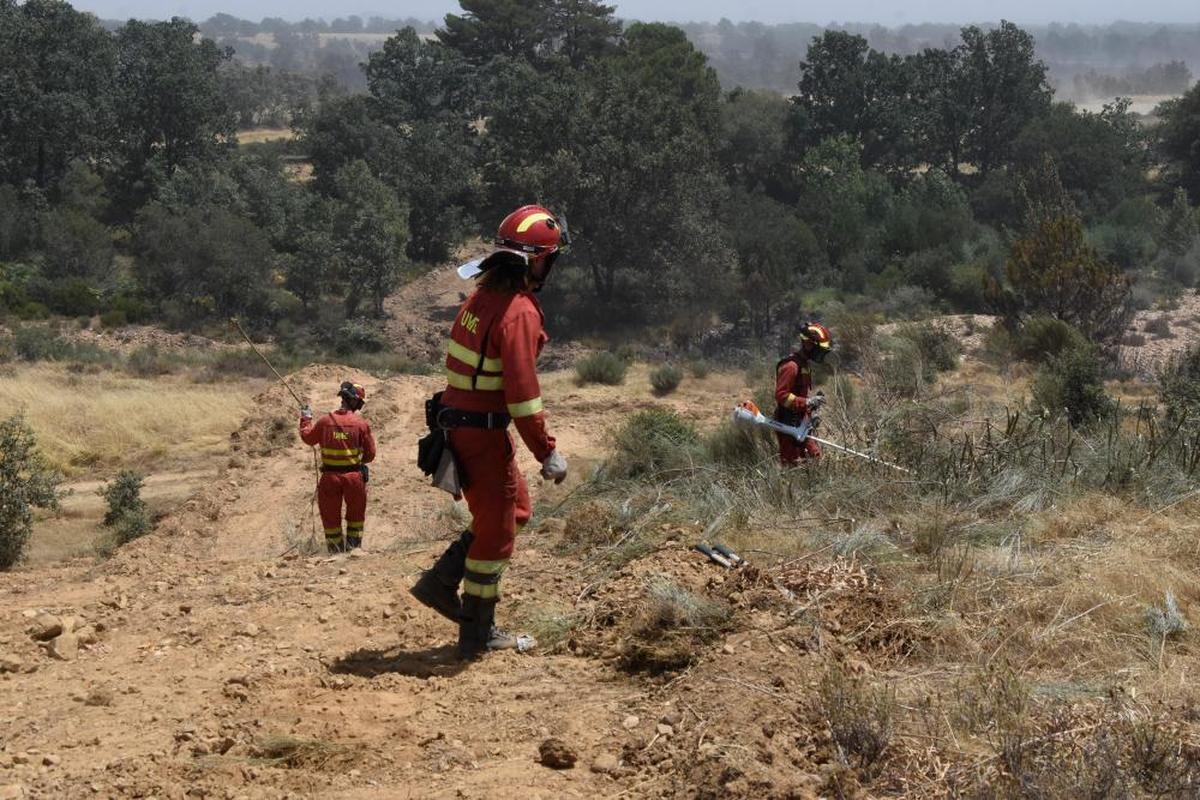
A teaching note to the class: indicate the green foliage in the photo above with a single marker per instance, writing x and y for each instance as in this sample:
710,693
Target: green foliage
531,30
1040,339
902,371
1052,271
939,349
1178,140
123,494
601,367
666,379
1179,388
1071,383
370,234
650,442
358,337
26,482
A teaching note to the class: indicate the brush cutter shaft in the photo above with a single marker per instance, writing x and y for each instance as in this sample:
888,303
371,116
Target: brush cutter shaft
286,385
751,416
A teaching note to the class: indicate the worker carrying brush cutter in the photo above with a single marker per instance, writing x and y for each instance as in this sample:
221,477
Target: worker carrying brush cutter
793,385
492,381
347,446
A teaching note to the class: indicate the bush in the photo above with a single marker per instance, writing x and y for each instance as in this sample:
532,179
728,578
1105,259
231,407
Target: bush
903,372
1071,383
127,514
652,441
114,318
1159,327
1179,387
40,343
666,379
148,362
853,336
937,347
26,482
601,367
699,369
358,337
1043,338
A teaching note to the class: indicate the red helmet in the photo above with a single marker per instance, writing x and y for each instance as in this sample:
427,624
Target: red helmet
354,394
531,231
818,336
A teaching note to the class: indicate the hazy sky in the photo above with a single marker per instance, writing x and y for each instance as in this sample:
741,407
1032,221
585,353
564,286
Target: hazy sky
819,11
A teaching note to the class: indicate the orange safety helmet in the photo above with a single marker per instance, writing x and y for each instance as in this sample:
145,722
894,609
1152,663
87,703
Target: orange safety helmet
818,338
354,395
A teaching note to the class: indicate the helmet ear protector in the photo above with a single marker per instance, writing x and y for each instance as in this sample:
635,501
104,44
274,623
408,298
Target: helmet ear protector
354,395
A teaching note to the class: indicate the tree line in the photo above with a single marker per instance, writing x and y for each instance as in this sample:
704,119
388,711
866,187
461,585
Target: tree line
946,179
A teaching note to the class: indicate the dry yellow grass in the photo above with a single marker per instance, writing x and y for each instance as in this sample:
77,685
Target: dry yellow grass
259,135
109,420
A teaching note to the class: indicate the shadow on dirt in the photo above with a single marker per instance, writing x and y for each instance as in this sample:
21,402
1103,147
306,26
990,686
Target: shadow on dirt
440,661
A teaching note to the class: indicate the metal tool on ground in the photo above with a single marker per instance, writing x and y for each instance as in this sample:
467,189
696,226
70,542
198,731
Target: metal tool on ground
714,556
733,557
233,321
746,413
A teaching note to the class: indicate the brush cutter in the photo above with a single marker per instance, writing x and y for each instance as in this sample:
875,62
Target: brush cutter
746,413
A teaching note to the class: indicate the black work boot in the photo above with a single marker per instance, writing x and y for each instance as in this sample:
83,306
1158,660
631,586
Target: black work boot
335,545
477,631
437,588
353,542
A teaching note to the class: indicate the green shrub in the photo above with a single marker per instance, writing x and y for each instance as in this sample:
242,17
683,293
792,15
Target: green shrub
114,318
127,514
1179,387
903,372
1041,339
26,482
739,445
148,362
601,367
699,369
938,348
651,441
853,335
40,343
666,379
1071,383
358,337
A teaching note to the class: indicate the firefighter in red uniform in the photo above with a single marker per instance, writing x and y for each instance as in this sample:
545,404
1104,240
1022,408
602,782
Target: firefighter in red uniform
347,446
492,381
793,384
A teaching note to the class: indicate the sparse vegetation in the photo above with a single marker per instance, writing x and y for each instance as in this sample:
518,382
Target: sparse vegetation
665,379
601,367
127,516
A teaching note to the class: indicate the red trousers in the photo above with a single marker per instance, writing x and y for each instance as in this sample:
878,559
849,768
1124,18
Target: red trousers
498,499
334,489
791,451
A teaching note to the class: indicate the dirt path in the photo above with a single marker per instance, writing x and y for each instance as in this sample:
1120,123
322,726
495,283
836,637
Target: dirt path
210,665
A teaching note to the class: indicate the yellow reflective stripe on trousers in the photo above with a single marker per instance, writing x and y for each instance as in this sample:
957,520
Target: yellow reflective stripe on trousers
357,527
486,567
484,383
526,409
481,569
471,358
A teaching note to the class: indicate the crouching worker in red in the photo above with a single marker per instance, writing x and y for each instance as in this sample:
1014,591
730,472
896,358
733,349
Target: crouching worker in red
347,446
492,381
793,385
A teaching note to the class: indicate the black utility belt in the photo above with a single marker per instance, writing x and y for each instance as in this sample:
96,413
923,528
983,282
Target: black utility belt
448,418
355,468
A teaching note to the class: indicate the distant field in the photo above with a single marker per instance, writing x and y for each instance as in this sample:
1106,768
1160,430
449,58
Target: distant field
1142,103
259,135
268,39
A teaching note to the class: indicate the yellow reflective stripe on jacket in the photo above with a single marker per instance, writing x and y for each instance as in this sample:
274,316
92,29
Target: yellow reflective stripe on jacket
484,383
526,409
471,358
330,451
790,402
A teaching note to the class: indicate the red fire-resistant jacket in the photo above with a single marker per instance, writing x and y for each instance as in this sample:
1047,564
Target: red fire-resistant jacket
793,382
344,436
491,362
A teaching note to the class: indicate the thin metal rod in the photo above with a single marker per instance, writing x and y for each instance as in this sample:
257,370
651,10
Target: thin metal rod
868,457
282,380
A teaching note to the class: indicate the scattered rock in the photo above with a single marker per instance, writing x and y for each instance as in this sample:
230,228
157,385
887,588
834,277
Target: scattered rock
556,754
630,722
51,761
388,612
46,627
87,635
185,608
251,630
606,764
10,664
21,758
13,791
665,730
65,647
672,718
99,696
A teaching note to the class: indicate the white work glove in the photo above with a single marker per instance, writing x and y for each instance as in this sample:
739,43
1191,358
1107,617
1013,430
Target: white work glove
554,468
306,413
813,404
